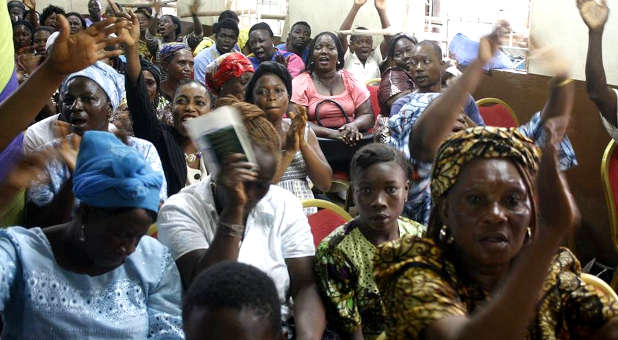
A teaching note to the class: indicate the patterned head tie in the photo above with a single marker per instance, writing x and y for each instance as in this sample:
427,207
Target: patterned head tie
480,142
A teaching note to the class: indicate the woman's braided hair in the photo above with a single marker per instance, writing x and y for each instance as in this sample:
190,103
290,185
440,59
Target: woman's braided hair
259,128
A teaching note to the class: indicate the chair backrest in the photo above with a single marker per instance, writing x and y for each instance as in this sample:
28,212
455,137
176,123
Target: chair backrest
496,112
373,82
600,286
609,176
328,218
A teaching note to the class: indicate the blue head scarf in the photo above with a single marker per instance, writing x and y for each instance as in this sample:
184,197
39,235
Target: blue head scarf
109,174
106,77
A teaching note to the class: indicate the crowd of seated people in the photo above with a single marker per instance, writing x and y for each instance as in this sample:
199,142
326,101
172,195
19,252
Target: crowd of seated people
113,226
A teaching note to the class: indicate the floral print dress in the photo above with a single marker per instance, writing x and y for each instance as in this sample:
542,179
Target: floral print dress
344,271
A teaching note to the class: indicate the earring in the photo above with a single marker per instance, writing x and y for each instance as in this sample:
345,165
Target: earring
82,234
528,234
445,237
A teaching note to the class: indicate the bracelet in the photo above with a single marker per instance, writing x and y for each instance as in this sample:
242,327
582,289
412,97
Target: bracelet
562,83
232,230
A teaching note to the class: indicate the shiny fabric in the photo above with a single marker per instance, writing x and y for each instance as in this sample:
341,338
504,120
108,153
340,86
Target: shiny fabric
226,67
141,299
480,142
421,284
168,49
394,81
344,273
109,174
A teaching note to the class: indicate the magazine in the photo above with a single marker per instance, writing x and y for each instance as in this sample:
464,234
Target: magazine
217,134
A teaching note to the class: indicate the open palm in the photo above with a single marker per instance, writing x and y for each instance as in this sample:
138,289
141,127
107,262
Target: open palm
73,52
594,14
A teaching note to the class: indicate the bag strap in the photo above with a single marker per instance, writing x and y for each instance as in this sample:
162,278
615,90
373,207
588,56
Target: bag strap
317,107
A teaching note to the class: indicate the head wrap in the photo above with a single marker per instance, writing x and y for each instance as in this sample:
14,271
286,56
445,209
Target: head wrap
168,49
106,77
110,174
226,67
153,69
480,142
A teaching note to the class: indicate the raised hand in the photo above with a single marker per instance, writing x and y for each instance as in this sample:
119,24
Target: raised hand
234,172
558,212
380,5
73,52
130,35
594,13
157,5
195,6
489,44
31,4
359,3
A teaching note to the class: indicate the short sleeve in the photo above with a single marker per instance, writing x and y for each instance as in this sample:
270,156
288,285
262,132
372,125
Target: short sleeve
533,129
300,89
416,299
164,313
295,65
337,278
199,67
297,240
8,268
357,90
181,225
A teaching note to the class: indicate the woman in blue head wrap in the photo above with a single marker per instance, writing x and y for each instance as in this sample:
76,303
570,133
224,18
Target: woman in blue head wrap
94,277
88,100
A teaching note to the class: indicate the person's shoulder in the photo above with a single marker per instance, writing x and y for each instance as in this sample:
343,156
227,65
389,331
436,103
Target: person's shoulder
192,196
411,227
28,240
333,240
41,126
280,196
140,143
409,251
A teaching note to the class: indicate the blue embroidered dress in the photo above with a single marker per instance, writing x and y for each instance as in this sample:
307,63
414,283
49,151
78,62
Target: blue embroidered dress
40,300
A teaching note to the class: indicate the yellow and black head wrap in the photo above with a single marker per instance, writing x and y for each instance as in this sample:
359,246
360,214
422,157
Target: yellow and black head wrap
480,142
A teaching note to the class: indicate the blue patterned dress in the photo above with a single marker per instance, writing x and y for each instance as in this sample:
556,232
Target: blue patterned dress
141,299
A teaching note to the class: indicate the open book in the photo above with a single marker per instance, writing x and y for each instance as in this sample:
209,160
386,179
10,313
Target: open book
217,134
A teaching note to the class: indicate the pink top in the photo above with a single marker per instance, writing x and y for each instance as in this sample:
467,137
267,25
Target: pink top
304,93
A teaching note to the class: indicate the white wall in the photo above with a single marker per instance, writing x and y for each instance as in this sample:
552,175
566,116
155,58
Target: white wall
558,24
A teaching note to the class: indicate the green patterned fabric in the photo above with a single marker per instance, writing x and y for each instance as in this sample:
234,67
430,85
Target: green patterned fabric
344,270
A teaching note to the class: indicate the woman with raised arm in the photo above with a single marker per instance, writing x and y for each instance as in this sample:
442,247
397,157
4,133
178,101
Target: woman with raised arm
69,53
182,163
428,118
491,266
595,16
